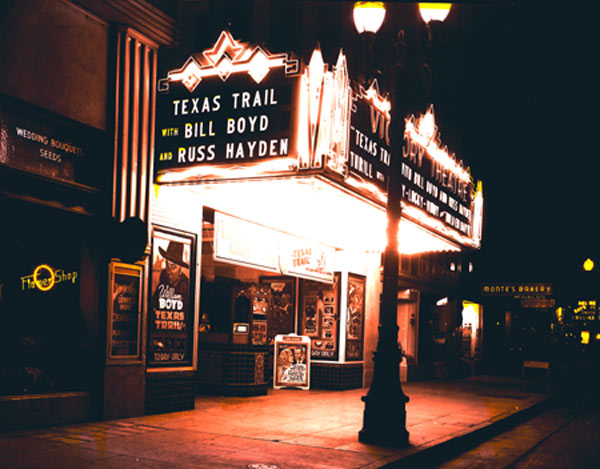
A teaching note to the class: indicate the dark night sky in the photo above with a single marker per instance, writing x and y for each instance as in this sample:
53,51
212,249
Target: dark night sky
534,142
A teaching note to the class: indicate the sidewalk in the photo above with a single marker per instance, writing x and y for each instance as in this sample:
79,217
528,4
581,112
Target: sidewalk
287,429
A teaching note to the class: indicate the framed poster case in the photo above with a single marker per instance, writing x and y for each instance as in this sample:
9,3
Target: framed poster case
319,317
171,312
292,362
355,317
124,322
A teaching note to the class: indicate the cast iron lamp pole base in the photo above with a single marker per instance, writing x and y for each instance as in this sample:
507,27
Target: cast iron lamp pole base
384,418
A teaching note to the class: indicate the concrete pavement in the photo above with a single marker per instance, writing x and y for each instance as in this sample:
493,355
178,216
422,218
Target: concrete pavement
287,429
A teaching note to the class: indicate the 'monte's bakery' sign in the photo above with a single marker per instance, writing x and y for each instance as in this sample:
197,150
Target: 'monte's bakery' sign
229,105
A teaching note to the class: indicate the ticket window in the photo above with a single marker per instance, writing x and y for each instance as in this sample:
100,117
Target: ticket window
260,306
250,306
241,318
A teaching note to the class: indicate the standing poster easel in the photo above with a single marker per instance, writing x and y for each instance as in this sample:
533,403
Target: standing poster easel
292,361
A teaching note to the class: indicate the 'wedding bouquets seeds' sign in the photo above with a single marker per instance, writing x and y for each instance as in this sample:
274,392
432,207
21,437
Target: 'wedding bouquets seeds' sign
39,142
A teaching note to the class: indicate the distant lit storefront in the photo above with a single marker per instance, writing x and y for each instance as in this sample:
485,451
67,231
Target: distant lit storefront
270,179
517,324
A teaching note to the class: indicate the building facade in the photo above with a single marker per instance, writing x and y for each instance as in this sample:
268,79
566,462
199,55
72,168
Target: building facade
196,211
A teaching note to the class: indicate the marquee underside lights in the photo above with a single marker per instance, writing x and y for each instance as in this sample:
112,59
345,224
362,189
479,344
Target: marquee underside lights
338,217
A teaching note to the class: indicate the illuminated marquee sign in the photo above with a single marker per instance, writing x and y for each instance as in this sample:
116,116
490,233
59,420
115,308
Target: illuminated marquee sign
370,151
432,180
235,112
232,104
44,278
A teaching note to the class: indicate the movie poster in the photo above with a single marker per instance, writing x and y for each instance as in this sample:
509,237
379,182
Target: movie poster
171,317
292,361
355,314
124,318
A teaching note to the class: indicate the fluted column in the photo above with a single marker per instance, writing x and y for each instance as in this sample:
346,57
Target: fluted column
134,117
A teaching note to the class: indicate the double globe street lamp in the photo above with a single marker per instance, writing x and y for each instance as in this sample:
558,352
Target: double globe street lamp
384,418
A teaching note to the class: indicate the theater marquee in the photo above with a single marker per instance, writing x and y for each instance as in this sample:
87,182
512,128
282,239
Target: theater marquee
230,105
239,112
437,190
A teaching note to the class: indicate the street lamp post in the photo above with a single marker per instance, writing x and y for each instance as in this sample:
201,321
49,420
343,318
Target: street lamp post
384,417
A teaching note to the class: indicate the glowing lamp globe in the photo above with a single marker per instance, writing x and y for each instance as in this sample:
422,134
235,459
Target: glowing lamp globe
588,265
434,11
368,16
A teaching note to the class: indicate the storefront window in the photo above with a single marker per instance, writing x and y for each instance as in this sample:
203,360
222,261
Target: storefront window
46,344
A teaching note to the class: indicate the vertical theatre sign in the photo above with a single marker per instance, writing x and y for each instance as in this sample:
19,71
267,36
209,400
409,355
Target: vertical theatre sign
370,151
227,109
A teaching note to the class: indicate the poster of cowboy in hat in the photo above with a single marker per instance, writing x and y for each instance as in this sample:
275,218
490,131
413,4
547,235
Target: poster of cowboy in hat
170,324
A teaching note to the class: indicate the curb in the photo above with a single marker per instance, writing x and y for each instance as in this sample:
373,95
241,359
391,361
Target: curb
438,453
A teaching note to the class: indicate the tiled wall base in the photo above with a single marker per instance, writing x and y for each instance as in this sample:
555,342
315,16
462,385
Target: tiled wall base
231,370
42,410
336,376
169,392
